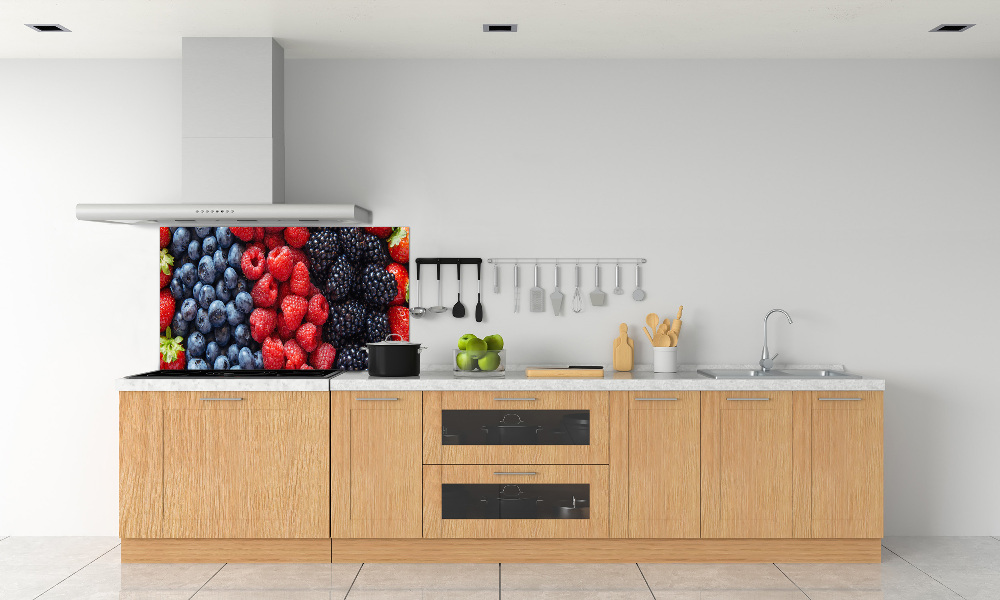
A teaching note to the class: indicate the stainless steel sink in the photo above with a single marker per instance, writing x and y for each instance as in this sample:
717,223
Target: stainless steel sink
777,374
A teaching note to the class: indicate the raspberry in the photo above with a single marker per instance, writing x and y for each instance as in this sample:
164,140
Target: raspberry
273,240
265,291
323,357
318,311
296,236
300,280
382,232
306,367
307,336
296,357
252,262
273,229
258,233
274,353
262,323
284,331
294,308
298,256
284,290
244,233
279,263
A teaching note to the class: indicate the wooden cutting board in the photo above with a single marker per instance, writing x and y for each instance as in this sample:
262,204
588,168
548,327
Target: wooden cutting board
562,372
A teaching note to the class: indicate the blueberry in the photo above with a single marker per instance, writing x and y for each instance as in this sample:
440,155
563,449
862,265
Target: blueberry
222,292
219,258
209,245
196,345
201,321
211,352
176,288
206,269
222,334
235,368
205,295
244,303
180,241
242,335
194,250
202,231
246,358
197,364
235,255
196,289
179,326
221,363
186,291
258,360
233,316
188,274
233,354
225,237
189,309
217,312
242,286
231,278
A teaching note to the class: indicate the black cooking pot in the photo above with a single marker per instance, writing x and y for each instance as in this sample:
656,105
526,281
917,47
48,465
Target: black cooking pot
515,504
394,359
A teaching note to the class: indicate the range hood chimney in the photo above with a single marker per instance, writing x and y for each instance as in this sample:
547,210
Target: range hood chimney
233,145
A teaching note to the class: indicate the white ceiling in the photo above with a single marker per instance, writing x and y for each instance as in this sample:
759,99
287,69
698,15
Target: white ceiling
546,28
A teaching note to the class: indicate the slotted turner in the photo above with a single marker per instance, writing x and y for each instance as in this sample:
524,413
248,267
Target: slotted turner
536,295
556,296
597,297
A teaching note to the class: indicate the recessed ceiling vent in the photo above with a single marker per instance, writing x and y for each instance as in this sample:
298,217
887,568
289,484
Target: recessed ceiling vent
952,27
45,28
510,28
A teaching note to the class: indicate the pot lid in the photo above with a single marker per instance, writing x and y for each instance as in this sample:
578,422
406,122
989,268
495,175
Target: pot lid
390,342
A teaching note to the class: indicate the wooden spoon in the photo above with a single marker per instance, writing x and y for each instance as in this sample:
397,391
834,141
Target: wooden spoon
653,321
673,338
649,336
661,339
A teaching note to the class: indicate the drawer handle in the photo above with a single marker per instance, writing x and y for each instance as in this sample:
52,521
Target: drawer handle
840,399
377,399
515,399
514,473
221,399
656,399
743,399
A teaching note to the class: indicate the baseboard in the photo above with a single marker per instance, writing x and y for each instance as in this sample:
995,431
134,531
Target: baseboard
225,550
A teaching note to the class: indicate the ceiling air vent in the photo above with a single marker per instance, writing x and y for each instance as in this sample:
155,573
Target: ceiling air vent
44,28
952,27
508,28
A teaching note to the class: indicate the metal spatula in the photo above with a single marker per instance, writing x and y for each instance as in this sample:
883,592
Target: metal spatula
556,296
597,297
536,296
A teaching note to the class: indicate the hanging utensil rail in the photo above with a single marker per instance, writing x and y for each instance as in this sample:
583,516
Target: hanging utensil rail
566,261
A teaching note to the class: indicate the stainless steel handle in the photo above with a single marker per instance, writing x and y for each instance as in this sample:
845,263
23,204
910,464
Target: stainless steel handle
757,399
515,399
377,399
845,399
514,473
657,399
222,399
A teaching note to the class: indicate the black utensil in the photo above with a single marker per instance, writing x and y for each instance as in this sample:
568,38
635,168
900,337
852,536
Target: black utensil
459,311
479,298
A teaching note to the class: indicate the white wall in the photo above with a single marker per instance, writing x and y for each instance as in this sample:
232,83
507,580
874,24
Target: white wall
860,196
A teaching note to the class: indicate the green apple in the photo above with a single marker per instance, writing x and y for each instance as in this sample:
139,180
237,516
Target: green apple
465,361
490,361
494,342
476,347
462,341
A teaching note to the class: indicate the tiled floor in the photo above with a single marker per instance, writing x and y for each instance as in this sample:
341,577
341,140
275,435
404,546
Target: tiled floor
90,569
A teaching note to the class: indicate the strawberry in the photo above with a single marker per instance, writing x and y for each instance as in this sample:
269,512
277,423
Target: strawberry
244,233
262,323
279,263
296,357
166,266
273,240
273,353
399,322
382,232
296,236
294,308
166,309
252,262
402,284
300,280
165,237
319,310
399,245
265,291
284,331
323,357
307,336
171,352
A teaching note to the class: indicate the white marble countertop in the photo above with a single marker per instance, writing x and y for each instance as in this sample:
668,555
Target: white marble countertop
640,379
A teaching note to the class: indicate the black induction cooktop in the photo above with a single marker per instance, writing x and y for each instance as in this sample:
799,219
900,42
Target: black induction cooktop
240,374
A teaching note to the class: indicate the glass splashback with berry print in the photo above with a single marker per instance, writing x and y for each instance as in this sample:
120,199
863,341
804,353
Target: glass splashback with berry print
280,297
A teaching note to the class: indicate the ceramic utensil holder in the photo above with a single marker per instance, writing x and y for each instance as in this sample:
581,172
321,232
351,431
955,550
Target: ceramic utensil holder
665,359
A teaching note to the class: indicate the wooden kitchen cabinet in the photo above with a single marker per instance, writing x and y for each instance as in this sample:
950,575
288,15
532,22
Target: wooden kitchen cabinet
746,465
663,464
375,481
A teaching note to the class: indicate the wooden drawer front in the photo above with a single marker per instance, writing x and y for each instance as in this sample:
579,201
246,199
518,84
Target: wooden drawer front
497,405
524,477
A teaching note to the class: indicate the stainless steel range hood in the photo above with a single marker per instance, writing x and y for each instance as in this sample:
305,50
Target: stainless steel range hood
233,145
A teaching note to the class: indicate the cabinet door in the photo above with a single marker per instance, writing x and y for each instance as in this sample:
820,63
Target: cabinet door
663,457
376,465
140,469
847,464
746,481
246,465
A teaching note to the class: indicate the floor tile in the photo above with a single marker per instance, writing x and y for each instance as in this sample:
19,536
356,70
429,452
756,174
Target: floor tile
166,577
24,582
557,581
840,577
749,595
63,551
335,577
957,552
665,577
272,594
971,584
426,582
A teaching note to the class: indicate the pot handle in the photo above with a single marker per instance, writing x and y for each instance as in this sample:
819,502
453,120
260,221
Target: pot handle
388,338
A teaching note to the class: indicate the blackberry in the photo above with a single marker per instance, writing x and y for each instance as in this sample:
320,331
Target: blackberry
375,250
352,358
351,241
339,280
375,286
347,319
376,327
321,249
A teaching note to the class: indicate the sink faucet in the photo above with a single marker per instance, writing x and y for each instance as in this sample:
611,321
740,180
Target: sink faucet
766,360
